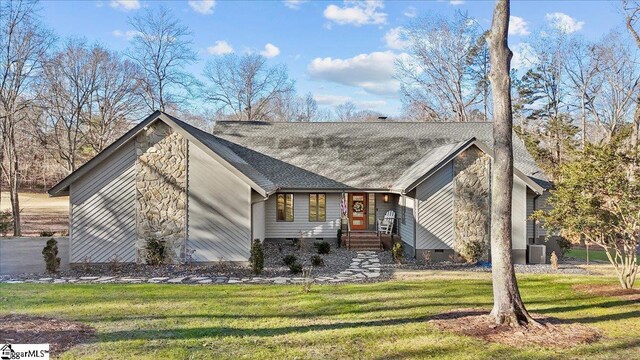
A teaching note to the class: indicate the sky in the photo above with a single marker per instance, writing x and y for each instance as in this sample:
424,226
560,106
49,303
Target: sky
336,50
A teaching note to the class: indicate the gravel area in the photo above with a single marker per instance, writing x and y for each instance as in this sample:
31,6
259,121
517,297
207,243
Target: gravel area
519,268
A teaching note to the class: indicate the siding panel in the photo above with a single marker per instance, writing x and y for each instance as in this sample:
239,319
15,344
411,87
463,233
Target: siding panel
408,226
281,229
219,211
434,229
519,215
103,218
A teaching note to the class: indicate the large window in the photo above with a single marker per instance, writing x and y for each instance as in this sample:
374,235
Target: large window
284,210
317,207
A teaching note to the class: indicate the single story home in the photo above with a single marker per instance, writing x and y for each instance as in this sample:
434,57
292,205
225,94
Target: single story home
208,195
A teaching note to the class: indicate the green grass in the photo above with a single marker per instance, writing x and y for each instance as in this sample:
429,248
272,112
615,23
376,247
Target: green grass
373,321
594,254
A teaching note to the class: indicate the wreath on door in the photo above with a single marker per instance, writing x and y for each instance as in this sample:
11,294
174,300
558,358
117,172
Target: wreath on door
358,206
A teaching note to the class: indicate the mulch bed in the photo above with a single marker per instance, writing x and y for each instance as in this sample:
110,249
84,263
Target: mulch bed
608,290
553,334
60,334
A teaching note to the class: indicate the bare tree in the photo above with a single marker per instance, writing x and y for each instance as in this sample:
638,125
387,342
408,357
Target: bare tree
508,308
446,58
23,43
115,100
632,15
162,48
346,111
246,86
68,84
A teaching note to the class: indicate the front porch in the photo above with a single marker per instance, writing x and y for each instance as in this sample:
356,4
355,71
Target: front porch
362,214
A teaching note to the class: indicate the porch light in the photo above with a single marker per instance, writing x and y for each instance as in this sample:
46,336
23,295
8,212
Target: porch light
385,198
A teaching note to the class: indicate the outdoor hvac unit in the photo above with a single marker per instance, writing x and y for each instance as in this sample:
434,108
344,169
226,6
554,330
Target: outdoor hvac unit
537,254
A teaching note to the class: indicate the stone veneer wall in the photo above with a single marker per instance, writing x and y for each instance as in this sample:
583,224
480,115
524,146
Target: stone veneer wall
472,199
161,197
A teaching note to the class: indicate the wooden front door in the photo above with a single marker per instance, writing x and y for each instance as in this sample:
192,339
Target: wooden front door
358,211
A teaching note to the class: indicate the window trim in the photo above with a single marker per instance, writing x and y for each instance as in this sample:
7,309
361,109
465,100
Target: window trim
285,207
317,219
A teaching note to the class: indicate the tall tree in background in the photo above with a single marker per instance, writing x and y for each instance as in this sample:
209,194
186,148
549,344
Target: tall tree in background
443,76
69,81
162,49
632,14
23,44
508,308
246,86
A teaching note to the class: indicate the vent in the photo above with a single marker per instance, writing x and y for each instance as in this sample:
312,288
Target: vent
537,254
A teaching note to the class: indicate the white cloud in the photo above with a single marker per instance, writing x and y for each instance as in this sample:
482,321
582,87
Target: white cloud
564,22
270,51
294,4
221,47
204,7
125,5
411,12
456,2
396,38
518,26
129,34
372,72
357,13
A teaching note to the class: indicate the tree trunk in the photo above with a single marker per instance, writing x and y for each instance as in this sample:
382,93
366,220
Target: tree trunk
508,307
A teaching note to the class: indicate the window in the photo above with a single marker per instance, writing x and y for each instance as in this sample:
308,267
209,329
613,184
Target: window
372,211
317,207
284,211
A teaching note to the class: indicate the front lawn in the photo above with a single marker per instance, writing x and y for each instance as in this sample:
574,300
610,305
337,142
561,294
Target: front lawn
384,320
595,254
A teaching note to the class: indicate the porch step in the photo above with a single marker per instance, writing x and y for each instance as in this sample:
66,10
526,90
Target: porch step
362,241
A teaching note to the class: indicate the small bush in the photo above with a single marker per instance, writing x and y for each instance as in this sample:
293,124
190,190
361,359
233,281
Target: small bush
45,233
257,257
472,251
297,243
6,222
295,268
114,264
564,245
339,235
323,247
50,253
427,256
156,252
397,252
554,260
317,260
289,259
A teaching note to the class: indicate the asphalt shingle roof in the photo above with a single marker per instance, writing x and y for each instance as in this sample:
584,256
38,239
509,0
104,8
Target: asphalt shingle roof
341,155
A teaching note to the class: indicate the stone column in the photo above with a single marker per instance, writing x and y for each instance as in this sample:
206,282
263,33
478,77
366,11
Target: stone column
161,189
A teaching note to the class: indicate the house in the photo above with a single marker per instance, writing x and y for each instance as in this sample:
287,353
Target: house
208,195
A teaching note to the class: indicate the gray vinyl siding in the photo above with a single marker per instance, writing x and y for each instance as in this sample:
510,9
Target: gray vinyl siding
103,210
219,211
540,204
519,214
435,228
382,207
257,220
289,229
408,225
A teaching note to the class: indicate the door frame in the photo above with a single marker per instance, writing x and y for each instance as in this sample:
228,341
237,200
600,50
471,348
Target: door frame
364,226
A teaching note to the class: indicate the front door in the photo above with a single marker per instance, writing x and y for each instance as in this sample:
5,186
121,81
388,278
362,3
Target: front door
358,211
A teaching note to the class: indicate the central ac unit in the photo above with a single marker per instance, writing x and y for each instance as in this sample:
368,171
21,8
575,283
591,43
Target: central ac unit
537,254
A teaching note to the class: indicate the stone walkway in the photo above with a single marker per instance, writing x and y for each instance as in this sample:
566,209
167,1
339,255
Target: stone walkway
366,265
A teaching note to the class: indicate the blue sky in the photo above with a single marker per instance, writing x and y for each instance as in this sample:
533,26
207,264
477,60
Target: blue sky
337,50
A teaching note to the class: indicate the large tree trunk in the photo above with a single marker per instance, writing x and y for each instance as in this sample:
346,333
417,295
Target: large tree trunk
508,307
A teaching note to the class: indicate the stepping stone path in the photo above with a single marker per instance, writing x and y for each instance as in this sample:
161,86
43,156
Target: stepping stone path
366,265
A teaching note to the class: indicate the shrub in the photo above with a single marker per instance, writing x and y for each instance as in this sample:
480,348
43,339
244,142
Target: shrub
156,252
472,251
297,243
339,235
6,222
289,259
257,257
295,268
50,253
323,247
427,257
563,244
397,252
317,260
554,260
45,233
114,263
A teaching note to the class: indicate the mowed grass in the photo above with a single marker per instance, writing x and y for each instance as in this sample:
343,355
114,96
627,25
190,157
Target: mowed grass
594,255
365,321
